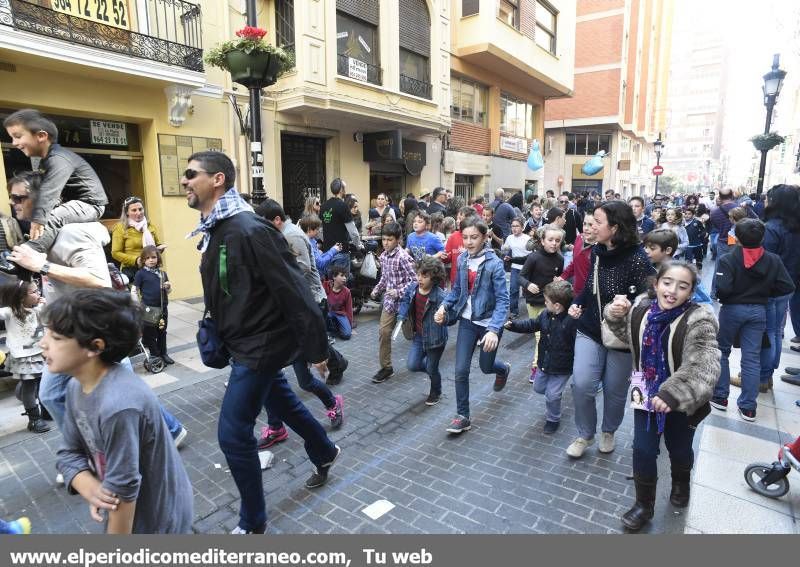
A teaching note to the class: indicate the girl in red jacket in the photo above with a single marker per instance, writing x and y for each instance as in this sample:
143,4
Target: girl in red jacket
579,267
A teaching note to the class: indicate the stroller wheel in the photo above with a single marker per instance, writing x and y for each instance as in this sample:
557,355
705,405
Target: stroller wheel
754,475
154,365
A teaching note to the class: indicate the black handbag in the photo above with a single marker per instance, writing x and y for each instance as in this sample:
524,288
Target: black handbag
154,316
213,351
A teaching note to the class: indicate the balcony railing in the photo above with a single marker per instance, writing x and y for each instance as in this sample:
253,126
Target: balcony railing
412,86
168,31
358,70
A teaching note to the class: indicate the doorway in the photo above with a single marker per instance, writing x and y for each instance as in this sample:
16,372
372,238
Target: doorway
389,183
303,172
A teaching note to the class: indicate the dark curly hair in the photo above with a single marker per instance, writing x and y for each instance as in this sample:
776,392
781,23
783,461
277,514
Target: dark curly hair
620,214
433,267
89,314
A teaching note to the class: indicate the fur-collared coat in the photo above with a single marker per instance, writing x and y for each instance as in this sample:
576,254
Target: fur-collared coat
692,384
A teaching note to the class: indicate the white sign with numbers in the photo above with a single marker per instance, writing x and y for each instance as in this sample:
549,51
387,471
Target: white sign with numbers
519,145
109,133
356,69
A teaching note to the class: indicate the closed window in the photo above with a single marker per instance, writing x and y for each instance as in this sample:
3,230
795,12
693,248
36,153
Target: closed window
516,116
508,11
546,26
468,101
284,24
357,39
587,144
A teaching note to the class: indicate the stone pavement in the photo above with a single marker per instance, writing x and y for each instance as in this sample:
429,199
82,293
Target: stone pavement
503,476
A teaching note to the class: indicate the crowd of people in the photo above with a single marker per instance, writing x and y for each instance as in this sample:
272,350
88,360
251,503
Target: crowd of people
611,291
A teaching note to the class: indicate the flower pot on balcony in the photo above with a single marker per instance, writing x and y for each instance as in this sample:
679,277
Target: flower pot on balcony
258,69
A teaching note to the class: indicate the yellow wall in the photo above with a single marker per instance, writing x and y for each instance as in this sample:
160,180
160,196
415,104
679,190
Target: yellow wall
144,104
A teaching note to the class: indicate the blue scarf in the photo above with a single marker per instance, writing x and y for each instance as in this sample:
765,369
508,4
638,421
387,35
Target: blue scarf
230,204
654,363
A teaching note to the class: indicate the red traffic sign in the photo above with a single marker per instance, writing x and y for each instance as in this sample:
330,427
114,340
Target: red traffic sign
658,170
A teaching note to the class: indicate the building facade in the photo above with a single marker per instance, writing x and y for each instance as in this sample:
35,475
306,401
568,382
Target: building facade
698,91
621,67
368,100
506,59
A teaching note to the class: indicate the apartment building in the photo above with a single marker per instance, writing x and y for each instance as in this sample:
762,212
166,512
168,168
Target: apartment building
622,55
506,59
367,102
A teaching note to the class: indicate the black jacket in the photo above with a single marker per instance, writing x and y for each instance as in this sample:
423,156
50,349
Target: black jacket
540,268
556,342
256,294
755,285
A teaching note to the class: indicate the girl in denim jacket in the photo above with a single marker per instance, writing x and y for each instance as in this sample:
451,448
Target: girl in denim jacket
418,306
479,302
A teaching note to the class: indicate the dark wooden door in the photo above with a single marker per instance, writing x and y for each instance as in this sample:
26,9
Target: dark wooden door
303,174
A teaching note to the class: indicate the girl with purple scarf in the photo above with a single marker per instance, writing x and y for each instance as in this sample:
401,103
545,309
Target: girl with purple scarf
676,364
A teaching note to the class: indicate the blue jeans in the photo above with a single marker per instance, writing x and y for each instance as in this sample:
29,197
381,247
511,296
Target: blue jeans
552,386
594,364
513,291
776,322
468,336
247,392
421,360
308,382
748,322
53,394
678,438
722,249
339,325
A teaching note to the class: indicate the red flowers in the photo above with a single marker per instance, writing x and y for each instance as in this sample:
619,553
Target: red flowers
251,33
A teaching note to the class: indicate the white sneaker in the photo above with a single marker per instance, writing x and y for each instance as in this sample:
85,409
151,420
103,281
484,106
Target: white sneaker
578,447
59,478
606,442
180,438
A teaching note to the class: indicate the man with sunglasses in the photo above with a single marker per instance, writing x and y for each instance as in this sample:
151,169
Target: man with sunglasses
573,224
265,316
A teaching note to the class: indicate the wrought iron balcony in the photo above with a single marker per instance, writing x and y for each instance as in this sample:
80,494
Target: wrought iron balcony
355,69
412,86
167,31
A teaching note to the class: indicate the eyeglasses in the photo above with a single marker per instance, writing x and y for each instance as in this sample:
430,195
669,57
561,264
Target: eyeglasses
563,202
130,201
192,173
19,199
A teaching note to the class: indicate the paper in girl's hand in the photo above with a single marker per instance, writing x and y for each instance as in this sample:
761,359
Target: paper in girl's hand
637,392
397,329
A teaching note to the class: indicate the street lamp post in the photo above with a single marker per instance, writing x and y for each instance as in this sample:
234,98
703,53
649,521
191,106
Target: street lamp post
257,169
773,81
658,146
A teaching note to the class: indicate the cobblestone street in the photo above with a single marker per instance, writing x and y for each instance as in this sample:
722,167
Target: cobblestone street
503,476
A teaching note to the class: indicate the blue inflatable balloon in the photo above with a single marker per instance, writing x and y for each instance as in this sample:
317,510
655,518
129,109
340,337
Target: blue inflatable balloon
535,160
594,164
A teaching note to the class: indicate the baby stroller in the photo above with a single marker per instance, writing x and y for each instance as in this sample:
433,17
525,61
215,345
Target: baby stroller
770,480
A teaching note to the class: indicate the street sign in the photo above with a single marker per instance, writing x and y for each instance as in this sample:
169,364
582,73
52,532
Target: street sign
658,170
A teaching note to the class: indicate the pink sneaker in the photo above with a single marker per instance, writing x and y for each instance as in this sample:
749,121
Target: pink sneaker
336,413
270,437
